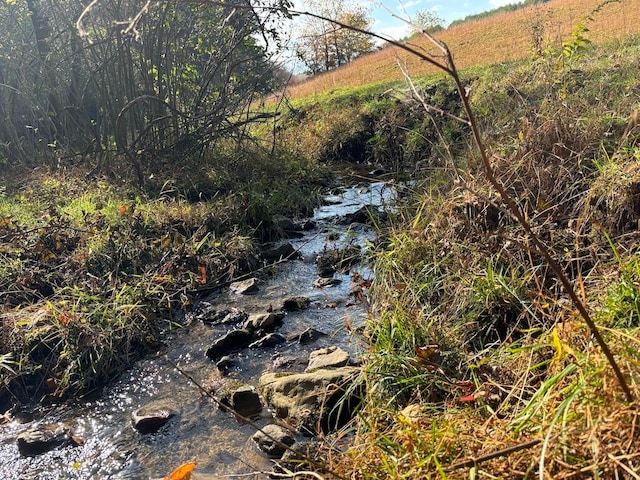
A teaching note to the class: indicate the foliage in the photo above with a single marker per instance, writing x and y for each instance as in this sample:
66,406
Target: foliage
474,347
323,46
383,124
428,21
93,274
164,86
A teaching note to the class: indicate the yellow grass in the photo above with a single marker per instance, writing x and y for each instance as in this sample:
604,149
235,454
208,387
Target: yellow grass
499,38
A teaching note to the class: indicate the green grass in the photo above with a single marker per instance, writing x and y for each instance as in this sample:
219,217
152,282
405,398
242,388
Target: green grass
474,346
93,273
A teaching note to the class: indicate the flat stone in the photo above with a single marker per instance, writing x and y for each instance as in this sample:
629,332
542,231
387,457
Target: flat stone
150,418
269,340
226,316
40,439
264,321
323,282
312,398
245,287
330,357
231,341
308,336
273,440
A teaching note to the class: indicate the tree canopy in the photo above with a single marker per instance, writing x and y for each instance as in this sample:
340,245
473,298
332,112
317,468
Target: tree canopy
323,45
132,81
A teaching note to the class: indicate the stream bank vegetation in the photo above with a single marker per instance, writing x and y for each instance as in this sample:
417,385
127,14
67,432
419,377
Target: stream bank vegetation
479,363
130,179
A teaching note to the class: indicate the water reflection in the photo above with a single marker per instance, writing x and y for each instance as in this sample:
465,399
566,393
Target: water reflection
112,449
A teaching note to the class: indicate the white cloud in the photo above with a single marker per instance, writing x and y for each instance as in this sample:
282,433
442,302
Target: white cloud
411,3
394,32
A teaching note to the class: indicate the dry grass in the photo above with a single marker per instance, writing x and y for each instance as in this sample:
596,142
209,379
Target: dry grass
475,347
495,39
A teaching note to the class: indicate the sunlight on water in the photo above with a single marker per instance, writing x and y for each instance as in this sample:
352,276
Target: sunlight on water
201,432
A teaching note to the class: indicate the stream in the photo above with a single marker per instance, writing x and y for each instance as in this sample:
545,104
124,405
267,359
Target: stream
201,432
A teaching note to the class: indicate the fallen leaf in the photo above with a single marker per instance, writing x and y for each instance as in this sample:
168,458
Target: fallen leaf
467,398
202,278
183,472
466,386
428,353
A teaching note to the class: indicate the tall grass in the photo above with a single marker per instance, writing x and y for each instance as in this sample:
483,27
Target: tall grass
476,347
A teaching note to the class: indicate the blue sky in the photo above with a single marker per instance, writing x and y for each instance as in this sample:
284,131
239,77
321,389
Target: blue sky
386,24
449,10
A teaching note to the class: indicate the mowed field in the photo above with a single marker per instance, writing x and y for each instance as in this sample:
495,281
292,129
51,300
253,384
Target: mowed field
503,37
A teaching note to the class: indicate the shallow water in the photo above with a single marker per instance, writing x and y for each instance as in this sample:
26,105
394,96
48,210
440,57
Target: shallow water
201,432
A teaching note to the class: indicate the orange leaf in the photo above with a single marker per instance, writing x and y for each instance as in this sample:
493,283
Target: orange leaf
467,399
202,278
466,386
183,472
122,209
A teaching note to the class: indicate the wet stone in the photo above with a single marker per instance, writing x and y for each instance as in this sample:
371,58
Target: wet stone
284,362
323,282
285,223
295,304
325,267
230,342
273,440
367,215
245,287
243,401
310,335
150,418
225,364
40,439
264,321
330,357
282,252
227,316
269,340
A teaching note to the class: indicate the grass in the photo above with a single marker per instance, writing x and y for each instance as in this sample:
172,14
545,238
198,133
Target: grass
474,348
93,273
497,39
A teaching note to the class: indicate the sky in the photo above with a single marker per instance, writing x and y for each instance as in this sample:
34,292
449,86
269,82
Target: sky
384,23
448,10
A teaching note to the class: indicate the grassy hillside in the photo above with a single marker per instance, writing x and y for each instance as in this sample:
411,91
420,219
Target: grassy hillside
479,365
502,37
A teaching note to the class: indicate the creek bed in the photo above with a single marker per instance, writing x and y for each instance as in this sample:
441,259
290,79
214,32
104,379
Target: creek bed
221,446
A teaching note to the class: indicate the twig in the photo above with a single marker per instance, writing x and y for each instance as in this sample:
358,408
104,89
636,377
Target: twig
490,456
626,468
252,423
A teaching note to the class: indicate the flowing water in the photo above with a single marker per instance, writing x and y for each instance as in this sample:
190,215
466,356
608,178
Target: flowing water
220,445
